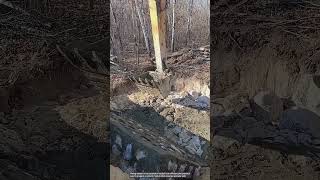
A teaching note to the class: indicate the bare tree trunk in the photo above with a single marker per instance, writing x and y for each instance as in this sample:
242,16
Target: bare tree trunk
118,37
190,4
134,30
144,28
173,2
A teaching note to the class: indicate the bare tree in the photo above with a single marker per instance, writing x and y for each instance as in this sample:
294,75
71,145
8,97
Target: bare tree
190,6
143,26
116,39
135,30
173,2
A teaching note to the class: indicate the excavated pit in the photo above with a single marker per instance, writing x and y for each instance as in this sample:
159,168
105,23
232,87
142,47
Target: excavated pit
150,133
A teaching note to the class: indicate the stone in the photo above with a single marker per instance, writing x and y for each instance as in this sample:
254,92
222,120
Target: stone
267,106
259,130
190,169
307,93
172,166
301,120
204,174
194,94
118,141
115,150
128,153
299,159
177,130
216,109
182,168
158,101
165,112
203,101
160,108
196,172
184,137
169,118
223,143
194,146
140,155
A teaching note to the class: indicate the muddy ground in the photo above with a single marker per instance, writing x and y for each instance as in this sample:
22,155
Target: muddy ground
258,46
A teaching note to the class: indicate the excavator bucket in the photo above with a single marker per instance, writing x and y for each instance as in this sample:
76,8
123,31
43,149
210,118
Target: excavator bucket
153,79
161,78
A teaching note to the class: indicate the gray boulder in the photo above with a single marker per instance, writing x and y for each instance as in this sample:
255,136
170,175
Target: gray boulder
301,120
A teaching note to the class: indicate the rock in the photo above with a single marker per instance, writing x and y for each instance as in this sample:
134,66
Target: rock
172,166
288,103
169,118
261,131
118,141
301,120
267,106
177,130
115,150
204,174
184,137
245,112
307,94
306,139
158,101
160,108
194,94
140,154
223,143
190,169
128,153
299,159
203,100
163,103
216,109
196,172
194,146
182,168
165,112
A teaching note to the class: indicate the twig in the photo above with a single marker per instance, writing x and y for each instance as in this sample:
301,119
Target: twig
313,4
9,4
235,41
70,61
235,6
293,33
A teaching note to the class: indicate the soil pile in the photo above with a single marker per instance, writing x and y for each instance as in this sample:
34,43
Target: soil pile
260,46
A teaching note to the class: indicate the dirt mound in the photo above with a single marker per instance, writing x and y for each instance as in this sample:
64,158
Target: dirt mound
36,81
258,46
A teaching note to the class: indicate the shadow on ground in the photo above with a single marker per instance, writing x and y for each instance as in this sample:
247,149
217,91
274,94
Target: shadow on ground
40,145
